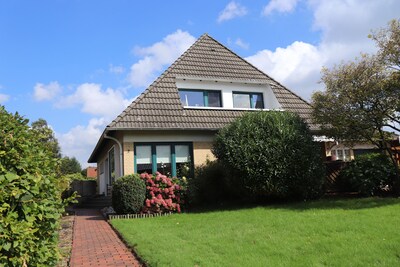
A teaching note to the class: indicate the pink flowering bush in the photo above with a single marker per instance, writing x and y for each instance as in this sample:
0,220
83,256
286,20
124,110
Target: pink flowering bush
163,194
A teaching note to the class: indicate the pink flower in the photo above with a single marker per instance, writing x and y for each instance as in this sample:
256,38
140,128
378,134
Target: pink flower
159,196
148,203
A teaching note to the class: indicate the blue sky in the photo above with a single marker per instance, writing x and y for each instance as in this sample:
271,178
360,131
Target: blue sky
77,63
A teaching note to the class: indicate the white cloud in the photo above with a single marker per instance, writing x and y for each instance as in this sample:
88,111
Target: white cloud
94,100
4,98
46,91
297,66
282,6
158,56
116,69
344,35
231,11
80,141
239,42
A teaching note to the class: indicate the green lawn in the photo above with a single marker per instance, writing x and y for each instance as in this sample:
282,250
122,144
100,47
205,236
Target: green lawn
357,232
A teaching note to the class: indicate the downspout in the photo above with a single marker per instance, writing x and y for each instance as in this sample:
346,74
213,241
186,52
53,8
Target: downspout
120,151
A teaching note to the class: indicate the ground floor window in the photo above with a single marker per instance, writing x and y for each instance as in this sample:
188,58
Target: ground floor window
341,154
172,159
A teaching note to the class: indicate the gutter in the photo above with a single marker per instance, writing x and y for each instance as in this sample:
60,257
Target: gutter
120,150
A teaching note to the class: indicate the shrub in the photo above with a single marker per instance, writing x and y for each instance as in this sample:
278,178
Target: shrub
128,194
369,174
209,185
30,196
271,154
163,193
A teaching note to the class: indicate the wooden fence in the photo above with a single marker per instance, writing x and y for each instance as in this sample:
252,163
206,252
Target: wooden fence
333,169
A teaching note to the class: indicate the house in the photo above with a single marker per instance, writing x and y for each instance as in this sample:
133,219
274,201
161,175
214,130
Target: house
91,172
170,127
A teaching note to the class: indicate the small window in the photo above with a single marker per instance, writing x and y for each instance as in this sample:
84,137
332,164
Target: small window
200,98
144,159
248,100
342,154
163,155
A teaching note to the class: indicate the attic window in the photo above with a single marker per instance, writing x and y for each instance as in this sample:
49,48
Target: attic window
248,100
200,98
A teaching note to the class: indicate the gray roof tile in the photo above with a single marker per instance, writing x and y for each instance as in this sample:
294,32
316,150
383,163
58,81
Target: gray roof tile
159,105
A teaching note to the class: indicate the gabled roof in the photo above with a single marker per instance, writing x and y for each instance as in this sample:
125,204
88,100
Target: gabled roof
159,106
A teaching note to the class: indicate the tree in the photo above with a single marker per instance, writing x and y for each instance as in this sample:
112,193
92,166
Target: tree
70,166
270,155
46,136
362,97
30,198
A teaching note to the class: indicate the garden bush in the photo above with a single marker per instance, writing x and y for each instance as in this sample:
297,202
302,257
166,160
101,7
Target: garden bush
163,194
30,196
209,184
369,174
128,194
271,155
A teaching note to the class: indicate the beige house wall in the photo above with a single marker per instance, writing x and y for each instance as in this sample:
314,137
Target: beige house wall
202,152
128,158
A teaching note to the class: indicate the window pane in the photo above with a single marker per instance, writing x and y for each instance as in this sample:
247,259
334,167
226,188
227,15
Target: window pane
214,99
241,100
346,154
339,154
257,101
164,168
163,154
141,168
182,153
143,154
192,98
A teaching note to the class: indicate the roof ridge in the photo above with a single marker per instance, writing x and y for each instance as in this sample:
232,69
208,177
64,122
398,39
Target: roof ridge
156,81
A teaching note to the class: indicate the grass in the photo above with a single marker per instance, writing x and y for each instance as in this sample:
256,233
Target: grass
355,232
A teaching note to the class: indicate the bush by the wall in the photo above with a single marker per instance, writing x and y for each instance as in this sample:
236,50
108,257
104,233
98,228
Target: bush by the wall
271,154
30,196
163,193
369,174
209,184
128,194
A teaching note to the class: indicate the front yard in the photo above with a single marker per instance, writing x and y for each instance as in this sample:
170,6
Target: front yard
357,232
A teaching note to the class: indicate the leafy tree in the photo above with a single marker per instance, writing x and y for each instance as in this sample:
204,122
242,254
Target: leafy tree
46,136
362,97
30,195
70,166
270,154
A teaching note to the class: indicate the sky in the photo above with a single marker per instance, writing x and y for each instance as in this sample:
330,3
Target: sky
78,64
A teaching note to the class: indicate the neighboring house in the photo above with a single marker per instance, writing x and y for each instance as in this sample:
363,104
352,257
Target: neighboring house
171,126
346,151
91,172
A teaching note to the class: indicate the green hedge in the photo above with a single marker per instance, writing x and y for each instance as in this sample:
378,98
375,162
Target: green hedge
128,194
30,198
369,174
270,155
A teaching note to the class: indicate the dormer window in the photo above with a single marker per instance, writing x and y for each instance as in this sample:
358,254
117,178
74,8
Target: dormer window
200,98
248,100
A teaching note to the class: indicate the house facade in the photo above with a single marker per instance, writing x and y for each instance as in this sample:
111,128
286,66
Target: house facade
171,126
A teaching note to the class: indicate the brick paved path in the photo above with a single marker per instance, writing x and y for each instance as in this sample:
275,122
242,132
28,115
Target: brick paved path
96,244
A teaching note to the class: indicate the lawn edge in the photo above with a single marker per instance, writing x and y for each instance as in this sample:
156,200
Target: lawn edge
131,249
